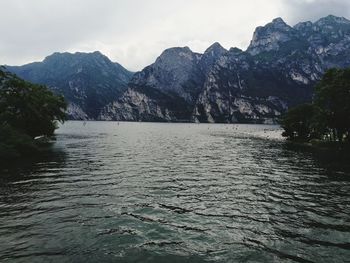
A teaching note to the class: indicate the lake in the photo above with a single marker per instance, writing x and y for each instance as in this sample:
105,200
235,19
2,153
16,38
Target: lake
157,192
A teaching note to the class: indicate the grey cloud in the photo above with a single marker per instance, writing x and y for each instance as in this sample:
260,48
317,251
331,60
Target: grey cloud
311,10
135,32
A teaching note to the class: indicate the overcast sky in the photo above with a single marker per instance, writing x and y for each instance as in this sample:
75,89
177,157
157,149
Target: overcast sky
135,32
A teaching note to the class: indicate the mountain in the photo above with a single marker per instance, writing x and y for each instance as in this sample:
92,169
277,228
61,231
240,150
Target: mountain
278,70
168,89
88,81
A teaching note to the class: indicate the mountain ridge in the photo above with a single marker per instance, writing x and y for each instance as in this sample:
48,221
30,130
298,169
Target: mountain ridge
277,70
88,81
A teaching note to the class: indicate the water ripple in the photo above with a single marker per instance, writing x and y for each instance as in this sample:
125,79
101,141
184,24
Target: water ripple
133,192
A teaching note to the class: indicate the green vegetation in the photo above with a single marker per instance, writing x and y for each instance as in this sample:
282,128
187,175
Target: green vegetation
327,119
27,111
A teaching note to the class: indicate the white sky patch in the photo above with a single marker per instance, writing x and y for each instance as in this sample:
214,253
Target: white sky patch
135,32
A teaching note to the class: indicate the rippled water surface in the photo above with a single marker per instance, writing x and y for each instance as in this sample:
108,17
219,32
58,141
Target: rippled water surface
143,192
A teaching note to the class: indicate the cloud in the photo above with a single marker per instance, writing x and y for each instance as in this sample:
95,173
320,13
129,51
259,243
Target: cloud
311,10
135,32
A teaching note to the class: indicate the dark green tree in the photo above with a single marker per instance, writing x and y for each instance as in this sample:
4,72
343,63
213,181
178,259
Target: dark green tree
29,108
299,123
333,98
328,117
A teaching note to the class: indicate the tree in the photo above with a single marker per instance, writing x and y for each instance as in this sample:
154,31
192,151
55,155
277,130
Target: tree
333,98
29,108
298,123
26,111
328,116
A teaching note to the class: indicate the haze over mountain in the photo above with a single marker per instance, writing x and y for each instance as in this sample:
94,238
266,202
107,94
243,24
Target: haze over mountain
278,70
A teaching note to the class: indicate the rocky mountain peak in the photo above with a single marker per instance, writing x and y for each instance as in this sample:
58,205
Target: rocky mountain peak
303,25
331,20
211,55
278,23
180,58
78,58
235,50
88,81
55,56
268,37
328,36
174,71
98,53
215,48
176,55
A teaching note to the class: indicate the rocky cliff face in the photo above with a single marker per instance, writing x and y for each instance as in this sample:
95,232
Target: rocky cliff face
175,71
277,71
238,90
147,104
88,81
271,37
166,90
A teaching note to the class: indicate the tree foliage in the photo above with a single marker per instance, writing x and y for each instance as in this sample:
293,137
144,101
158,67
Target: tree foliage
333,98
328,117
298,124
26,111
29,108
